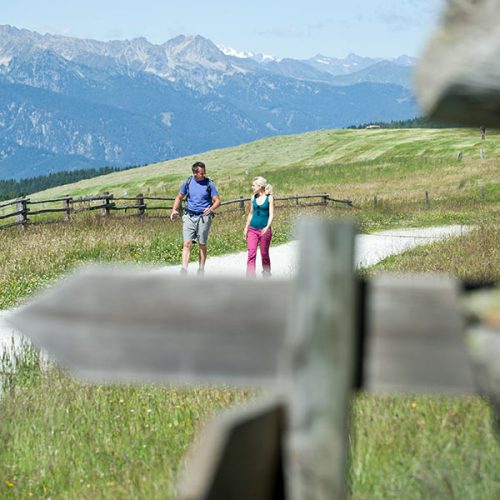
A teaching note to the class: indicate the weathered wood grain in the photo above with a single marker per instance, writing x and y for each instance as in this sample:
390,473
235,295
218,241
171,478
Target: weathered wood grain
132,325
239,456
321,344
416,340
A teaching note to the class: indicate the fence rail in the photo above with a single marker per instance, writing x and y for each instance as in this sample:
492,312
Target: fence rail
109,203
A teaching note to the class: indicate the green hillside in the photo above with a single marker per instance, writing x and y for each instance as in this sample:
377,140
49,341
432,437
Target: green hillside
352,164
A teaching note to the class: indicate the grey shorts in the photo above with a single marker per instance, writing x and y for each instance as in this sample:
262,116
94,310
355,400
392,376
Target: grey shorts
196,227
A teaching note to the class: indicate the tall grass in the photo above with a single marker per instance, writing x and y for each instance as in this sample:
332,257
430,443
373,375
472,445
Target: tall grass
66,439
422,447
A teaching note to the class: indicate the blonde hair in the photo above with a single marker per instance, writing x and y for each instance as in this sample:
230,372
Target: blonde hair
260,181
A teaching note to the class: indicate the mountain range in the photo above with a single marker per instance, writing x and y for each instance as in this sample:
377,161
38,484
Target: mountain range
68,103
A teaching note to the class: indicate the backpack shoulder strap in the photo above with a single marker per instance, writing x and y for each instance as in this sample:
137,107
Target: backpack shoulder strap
209,188
188,181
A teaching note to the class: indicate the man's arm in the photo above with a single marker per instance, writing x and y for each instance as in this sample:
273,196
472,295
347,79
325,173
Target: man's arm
215,204
177,203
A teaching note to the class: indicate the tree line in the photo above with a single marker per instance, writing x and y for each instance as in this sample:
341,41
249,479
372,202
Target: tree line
11,188
418,122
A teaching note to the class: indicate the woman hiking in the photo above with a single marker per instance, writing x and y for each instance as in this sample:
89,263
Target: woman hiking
258,226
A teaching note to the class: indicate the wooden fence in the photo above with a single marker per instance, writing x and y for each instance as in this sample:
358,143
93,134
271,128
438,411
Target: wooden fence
315,341
106,203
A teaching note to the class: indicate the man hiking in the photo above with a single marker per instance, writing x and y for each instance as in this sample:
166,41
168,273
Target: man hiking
202,199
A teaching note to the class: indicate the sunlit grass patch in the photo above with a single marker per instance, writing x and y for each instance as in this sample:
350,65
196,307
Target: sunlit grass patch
63,438
474,256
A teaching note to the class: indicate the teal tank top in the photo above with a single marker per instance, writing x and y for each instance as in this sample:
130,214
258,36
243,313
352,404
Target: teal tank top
260,215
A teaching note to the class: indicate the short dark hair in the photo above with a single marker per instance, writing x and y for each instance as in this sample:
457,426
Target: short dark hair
197,165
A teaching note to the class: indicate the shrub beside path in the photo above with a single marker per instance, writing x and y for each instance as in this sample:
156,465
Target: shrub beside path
369,249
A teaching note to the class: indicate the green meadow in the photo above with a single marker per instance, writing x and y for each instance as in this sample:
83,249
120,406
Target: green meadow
397,164
62,438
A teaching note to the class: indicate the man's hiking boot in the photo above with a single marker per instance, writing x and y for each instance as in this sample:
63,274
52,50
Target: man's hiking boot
183,271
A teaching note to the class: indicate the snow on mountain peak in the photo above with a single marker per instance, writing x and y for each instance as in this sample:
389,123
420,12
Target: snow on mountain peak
228,51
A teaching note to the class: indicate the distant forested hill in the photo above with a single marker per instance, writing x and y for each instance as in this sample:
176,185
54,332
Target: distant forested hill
12,188
418,122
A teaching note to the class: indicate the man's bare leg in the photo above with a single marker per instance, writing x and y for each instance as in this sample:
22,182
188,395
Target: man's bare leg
202,256
186,253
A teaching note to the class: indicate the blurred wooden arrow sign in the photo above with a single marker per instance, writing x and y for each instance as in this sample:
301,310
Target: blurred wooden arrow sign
127,325
136,326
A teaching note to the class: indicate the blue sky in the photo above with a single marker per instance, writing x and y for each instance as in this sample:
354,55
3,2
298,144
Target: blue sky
284,28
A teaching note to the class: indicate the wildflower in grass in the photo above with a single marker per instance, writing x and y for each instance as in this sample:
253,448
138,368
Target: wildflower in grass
9,484
413,404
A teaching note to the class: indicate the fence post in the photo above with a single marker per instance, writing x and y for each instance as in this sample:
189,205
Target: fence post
427,204
107,200
242,204
141,207
483,197
325,199
22,207
322,344
375,201
297,199
67,208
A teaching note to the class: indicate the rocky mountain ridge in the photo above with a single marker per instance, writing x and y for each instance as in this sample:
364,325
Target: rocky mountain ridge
71,103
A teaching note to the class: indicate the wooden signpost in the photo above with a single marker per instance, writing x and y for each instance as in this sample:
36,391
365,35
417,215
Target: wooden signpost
458,75
311,341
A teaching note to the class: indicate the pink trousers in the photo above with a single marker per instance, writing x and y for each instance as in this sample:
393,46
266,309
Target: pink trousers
254,238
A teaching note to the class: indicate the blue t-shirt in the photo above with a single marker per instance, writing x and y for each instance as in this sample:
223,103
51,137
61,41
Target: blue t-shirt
199,196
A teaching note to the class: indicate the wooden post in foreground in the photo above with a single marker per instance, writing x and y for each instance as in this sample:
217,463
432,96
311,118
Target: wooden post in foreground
321,338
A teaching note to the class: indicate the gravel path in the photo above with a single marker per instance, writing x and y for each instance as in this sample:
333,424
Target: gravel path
370,249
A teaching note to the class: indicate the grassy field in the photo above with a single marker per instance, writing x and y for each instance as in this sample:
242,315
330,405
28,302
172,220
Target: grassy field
356,164
65,439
